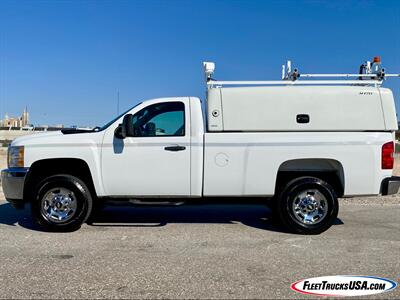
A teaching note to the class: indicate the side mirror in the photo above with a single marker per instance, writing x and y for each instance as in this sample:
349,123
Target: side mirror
126,128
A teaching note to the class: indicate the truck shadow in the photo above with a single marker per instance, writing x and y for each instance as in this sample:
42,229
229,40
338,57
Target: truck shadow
256,216
12,217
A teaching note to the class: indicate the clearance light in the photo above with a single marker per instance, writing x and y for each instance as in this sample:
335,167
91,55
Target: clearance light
377,59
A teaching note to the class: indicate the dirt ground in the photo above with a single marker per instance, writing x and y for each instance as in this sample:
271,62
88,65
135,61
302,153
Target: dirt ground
396,170
3,158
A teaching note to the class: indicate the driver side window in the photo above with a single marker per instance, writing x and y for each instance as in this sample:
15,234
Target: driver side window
161,119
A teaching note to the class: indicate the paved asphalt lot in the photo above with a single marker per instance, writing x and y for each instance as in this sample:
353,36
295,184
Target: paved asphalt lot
193,252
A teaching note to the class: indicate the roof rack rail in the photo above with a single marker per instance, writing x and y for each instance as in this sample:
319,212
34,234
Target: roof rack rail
370,74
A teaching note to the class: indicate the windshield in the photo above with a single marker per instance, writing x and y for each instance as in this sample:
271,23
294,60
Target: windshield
116,118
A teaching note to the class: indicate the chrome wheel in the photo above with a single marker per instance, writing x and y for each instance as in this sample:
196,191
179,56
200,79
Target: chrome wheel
59,205
310,207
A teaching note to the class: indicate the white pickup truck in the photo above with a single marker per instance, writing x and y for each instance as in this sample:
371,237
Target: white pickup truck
297,145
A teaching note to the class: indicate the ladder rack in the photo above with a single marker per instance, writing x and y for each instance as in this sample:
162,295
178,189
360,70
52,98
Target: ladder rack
371,74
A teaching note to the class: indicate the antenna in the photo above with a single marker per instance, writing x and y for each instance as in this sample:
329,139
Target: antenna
117,103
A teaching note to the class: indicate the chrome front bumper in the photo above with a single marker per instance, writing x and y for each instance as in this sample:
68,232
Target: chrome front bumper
13,180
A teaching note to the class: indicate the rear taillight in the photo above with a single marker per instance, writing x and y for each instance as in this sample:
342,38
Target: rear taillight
388,155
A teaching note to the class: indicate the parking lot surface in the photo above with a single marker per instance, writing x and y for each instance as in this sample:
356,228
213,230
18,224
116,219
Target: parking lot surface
193,252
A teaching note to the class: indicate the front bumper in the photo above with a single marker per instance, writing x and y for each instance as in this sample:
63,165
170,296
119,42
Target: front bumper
390,186
13,181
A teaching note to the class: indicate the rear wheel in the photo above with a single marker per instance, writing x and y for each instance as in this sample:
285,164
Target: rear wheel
307,205
61,203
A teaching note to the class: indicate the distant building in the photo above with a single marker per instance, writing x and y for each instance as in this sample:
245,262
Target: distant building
22,121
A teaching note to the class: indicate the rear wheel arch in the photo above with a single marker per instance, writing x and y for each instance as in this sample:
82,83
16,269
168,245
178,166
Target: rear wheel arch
328,170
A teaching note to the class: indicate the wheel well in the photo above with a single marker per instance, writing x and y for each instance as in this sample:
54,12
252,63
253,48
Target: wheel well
328,170
48,167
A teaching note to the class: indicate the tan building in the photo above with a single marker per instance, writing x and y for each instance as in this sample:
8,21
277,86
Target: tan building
22,121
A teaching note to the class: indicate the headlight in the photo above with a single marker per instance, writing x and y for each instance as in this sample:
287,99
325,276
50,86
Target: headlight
16,157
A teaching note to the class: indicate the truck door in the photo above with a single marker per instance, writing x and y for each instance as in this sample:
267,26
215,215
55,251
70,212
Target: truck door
156,160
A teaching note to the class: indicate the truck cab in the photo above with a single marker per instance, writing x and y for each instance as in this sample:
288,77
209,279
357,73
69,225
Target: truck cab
296,148
163,142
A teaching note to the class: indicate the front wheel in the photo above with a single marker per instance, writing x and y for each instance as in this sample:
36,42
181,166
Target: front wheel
308,205
61,203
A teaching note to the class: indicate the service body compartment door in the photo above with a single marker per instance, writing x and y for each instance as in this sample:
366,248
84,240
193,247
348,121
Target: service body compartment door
156,161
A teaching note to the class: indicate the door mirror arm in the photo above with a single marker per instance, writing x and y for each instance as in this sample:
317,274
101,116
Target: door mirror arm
120,132
126,128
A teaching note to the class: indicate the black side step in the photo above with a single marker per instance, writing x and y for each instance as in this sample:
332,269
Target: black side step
144,202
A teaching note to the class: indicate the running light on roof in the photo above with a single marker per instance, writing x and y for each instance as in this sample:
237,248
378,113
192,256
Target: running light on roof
377,59
209,68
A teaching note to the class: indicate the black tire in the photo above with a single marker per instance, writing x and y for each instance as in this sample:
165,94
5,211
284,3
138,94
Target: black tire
289,195
81,194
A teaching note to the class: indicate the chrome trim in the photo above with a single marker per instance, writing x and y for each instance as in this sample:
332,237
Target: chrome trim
59,205
390,186
13,181
310,207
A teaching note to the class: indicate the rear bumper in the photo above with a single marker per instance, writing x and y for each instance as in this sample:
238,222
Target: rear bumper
13,181
390,186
